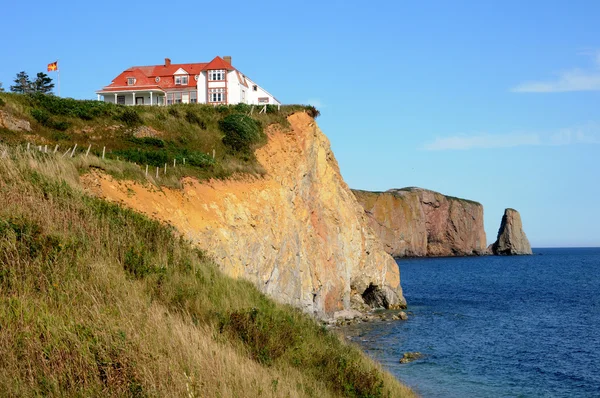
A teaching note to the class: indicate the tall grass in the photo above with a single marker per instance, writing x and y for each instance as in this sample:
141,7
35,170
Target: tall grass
97,300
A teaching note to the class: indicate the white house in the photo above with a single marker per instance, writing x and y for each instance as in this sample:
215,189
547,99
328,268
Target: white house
215,82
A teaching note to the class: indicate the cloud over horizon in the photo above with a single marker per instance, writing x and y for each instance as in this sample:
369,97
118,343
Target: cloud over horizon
576,79
586,134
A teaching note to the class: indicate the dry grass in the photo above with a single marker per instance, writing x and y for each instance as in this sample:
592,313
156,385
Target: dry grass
96,300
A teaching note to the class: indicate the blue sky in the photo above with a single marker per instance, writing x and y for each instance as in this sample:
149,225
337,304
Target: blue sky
495,101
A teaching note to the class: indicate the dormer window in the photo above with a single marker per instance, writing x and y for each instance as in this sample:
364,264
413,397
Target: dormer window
181,80
130,81
216,75
255,88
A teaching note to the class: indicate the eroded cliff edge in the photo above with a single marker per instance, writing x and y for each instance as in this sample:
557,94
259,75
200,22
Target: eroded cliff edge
298,233
419,222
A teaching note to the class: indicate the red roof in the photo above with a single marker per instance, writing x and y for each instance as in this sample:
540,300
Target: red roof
145,76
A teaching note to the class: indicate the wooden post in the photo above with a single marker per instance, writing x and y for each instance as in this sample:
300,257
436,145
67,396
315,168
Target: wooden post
45,148
174,162
184,161
146,170
214,153
28,146
67,151
88,151
103,151
73,153
165,169
156,171
40,148
56,148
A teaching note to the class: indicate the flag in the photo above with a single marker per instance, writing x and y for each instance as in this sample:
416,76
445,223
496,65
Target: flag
53,67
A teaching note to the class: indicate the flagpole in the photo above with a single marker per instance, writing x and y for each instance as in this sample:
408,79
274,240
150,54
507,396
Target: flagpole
58,70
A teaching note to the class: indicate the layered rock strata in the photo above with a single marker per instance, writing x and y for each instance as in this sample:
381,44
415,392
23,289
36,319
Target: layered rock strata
297,233
511,237
419,222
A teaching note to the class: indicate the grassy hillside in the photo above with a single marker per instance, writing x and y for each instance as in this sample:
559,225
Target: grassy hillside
96,300
146,135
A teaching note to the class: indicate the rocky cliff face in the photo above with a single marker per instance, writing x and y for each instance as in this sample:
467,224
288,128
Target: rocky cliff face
419,222
511,237
298,233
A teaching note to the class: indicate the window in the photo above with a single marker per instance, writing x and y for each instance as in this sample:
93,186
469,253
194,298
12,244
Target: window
181,80
169,98
121,99
216,95
178,98
216,75
130,81
255,88
157,79
193,98
243,95
263,100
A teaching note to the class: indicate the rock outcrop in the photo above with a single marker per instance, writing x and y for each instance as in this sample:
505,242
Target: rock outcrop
419,222
297,233
12,123
511,237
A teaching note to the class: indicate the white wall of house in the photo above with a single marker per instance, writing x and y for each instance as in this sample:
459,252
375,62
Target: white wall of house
233,88
254,96
202,88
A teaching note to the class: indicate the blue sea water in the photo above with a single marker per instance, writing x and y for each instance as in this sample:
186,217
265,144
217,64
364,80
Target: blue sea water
525,326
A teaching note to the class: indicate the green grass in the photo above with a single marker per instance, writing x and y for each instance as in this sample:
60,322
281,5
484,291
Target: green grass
97,300
189,131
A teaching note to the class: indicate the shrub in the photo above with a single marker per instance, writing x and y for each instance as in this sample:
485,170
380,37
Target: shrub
41,116
241,132
156,142
130,117
173,111
2,103
191,117
312,111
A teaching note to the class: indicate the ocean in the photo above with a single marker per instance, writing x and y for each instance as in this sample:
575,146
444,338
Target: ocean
522,326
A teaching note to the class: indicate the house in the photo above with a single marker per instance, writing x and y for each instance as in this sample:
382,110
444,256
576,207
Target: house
215,82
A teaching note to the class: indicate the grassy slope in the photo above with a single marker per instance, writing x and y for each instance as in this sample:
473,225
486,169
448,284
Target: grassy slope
99,300
188,131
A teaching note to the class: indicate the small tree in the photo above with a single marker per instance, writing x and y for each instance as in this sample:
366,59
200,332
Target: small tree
22,84
1,88
43,83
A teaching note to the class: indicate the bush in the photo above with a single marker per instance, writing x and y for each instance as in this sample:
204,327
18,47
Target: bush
192,118
130,117
241,132
156,142
312,111
2,103
41,116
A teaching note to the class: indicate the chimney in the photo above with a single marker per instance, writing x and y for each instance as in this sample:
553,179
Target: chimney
167,61
227,58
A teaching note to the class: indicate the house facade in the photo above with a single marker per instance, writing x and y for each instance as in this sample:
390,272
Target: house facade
216,82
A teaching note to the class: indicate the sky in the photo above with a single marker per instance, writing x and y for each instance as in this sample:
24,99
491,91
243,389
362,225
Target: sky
494,101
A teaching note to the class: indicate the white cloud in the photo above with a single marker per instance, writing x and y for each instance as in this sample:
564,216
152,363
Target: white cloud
585,134
572,80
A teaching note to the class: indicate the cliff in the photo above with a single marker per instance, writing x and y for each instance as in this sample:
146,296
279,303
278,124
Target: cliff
297,233
420,222
511,237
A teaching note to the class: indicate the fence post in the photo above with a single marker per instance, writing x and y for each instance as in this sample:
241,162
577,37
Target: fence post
88,151
28,146
184,161
157,171
146,170
67,151
174,162
165,169
56,148
214,153
73,153
103,151
45,148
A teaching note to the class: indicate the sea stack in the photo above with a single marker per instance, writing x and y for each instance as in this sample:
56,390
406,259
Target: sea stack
511,240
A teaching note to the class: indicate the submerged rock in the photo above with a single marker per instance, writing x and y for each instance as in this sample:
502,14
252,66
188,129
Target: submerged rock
410,356
511,237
